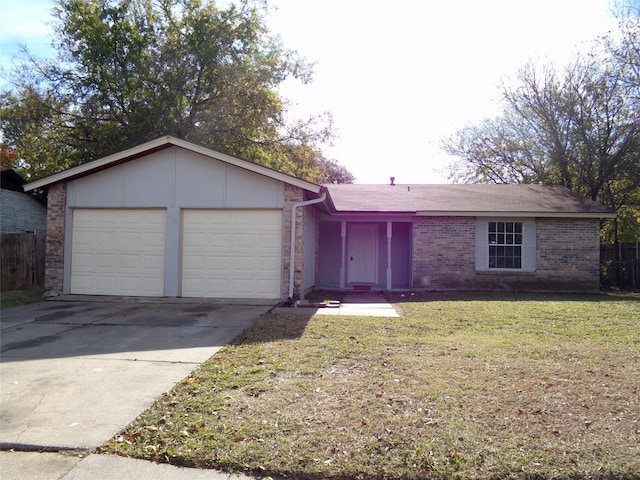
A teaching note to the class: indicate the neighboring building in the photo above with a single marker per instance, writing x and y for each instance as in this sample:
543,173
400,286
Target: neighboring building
170,218
21,213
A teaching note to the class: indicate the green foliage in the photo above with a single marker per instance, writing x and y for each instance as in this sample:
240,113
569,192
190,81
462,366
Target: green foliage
575,126
129,71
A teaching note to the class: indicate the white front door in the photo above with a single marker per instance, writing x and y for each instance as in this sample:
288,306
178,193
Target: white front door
362,253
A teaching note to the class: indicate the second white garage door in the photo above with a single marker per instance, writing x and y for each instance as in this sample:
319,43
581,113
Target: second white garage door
232,253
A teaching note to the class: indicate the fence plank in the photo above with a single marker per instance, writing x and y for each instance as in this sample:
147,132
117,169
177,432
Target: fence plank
623,252
18,261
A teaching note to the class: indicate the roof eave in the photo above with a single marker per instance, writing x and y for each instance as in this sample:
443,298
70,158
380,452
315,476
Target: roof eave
443,213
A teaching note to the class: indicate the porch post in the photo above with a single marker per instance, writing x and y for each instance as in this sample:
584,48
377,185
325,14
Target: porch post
389,235
343,255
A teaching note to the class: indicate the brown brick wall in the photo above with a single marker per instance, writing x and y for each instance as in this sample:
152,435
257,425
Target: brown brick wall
568,253
567,257
54,263
293,195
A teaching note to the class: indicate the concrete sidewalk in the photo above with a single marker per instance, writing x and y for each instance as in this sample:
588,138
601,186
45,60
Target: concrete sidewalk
66,466
361,304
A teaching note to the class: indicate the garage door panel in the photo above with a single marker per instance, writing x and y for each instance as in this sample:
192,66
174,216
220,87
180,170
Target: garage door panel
242,251
118,252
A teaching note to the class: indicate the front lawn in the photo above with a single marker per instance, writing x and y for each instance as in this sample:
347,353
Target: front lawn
462,386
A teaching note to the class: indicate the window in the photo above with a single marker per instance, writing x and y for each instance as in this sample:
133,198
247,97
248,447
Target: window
505,244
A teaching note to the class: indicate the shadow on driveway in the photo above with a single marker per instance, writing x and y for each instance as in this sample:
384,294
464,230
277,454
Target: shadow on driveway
72,374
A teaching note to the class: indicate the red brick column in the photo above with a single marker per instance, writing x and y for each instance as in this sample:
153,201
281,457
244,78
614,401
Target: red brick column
54,263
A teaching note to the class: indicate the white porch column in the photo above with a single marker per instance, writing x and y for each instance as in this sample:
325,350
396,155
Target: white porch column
389,235
343,255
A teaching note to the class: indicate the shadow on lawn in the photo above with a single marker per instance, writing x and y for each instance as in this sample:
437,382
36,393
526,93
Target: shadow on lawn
275,327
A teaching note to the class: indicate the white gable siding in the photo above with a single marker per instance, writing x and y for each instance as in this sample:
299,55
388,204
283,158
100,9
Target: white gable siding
175,177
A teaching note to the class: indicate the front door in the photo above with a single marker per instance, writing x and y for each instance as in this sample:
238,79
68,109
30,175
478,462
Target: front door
362,253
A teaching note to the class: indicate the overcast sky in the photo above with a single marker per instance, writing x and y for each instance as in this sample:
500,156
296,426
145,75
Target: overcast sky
396,76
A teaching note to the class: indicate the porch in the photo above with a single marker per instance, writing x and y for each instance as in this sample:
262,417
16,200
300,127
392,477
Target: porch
364,254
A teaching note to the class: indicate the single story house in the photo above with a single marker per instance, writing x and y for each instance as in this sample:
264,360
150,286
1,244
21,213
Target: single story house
171,218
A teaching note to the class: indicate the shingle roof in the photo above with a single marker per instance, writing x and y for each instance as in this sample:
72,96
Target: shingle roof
464,199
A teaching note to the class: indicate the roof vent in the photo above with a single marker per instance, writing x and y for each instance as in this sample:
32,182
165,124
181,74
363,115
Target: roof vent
393,179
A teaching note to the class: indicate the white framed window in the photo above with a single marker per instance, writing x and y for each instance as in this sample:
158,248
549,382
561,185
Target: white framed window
505,244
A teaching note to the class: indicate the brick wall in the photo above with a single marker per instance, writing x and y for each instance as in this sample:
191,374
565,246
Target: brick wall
293,195
567,257
54,271
568,253
444,252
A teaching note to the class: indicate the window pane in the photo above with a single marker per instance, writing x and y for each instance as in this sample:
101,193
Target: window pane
505,240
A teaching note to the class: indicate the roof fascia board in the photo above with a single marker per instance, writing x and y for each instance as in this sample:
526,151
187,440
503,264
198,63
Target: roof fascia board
370,217
518,214
165,142
96,164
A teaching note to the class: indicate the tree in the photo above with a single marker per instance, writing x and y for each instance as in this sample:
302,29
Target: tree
129,71
577,126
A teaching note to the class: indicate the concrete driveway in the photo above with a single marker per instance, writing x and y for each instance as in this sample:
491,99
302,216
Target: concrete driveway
74,373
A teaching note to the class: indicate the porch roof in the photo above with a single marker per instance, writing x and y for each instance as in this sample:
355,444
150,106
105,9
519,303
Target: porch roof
464,200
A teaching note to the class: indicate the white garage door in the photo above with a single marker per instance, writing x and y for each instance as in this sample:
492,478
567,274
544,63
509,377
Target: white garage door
118,252
232,253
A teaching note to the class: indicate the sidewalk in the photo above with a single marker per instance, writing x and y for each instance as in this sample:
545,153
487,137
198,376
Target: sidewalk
65,466
362,305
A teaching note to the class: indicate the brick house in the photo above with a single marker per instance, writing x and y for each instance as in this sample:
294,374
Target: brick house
460,237
170,218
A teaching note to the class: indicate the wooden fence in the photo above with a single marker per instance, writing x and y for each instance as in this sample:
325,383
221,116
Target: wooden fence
620,265
623,252
21,261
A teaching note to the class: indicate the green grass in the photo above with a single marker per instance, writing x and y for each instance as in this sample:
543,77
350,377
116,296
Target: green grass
13,298
462,386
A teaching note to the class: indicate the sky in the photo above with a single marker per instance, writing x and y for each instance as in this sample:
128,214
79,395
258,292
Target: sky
397,76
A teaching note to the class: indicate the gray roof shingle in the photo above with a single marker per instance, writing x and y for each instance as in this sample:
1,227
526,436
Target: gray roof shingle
460,199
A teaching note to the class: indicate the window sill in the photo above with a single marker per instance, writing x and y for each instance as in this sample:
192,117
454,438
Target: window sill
503,271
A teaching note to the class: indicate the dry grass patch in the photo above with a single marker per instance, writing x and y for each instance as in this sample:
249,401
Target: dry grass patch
461,387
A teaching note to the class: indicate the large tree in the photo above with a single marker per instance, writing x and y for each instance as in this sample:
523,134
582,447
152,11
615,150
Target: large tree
128,71
576,126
